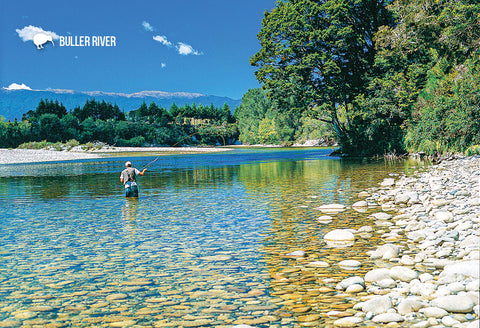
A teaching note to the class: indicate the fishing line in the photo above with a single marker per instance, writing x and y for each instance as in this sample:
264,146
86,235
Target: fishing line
148,164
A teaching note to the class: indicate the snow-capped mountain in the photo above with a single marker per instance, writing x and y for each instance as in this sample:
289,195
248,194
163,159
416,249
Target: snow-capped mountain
14,103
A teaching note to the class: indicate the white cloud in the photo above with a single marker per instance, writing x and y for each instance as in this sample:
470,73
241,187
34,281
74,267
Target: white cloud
163,65
28,32
163,40
182,48
16,86
186,49
146,25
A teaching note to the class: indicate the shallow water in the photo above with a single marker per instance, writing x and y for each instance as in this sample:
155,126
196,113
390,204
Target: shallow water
204,245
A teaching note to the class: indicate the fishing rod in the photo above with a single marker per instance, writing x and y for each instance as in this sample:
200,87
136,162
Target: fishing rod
148,164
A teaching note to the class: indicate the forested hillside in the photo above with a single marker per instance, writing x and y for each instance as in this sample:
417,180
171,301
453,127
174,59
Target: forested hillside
104,122
385,76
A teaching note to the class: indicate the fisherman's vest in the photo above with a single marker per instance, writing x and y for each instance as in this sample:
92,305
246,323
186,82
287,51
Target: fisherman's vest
130,174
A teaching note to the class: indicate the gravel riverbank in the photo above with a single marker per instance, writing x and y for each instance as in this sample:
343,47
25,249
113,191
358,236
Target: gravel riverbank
15,156
432,279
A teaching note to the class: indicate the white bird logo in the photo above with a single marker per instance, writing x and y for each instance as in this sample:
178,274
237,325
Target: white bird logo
41,38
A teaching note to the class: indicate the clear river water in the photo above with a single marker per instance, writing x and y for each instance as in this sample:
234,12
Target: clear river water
204,245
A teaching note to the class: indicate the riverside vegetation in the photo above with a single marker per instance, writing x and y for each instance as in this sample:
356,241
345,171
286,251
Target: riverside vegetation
377,76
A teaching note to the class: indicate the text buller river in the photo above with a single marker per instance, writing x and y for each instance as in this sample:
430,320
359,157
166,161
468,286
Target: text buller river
88,41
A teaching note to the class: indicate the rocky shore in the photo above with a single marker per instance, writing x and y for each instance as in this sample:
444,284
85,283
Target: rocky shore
431,279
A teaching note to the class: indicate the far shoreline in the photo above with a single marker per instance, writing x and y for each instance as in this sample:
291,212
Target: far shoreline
31,156
25,156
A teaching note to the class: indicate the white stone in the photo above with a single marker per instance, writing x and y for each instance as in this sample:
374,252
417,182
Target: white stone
318,264
363,194
381,216
365,229
388,317
339,237
468,268
409,305
376,305
403,273
349,264
355,288
350,281
361,203
387,283
387,182
449,321
297,254
424,277
421,324
331,208
454,303
347,322
402,198
377,274
473,324
456,287
325,219
407,260
385,252
473,286
433,312
444,216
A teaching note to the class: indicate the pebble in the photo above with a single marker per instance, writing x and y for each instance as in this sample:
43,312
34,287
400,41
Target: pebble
409,305
377,275
297,254
309,318
347,322
324,219
454,303
385,252
437,275
449,321
388,317
318,264
376,305
403,273
350,264
331,208
361,203
339,237
355,288
387,182
355,280
116,297
387,283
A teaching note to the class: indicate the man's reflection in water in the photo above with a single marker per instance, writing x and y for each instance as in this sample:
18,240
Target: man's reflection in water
129,214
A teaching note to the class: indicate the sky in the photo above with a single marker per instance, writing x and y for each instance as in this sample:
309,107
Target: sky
165,45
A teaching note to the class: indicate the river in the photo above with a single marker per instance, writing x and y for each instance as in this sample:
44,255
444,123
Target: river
204,245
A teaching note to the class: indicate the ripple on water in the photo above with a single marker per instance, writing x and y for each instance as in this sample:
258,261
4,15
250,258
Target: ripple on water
203,246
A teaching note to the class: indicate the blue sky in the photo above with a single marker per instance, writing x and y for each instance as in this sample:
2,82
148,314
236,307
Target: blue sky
173,46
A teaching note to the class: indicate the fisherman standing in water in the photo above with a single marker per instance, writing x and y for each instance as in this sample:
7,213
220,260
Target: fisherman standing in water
127,177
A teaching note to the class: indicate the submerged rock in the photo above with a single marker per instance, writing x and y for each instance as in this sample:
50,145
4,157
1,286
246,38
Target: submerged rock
339,238
331,208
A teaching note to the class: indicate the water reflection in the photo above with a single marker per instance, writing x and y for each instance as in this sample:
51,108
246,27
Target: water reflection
204,245
129,214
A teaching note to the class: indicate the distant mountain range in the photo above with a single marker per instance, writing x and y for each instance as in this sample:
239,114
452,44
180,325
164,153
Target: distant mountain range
14,103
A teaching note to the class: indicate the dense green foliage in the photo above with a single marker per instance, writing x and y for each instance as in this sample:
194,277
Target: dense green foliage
390,76
260,122
104,122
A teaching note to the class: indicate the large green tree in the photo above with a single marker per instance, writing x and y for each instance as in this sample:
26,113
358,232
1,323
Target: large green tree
425,97
317,55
